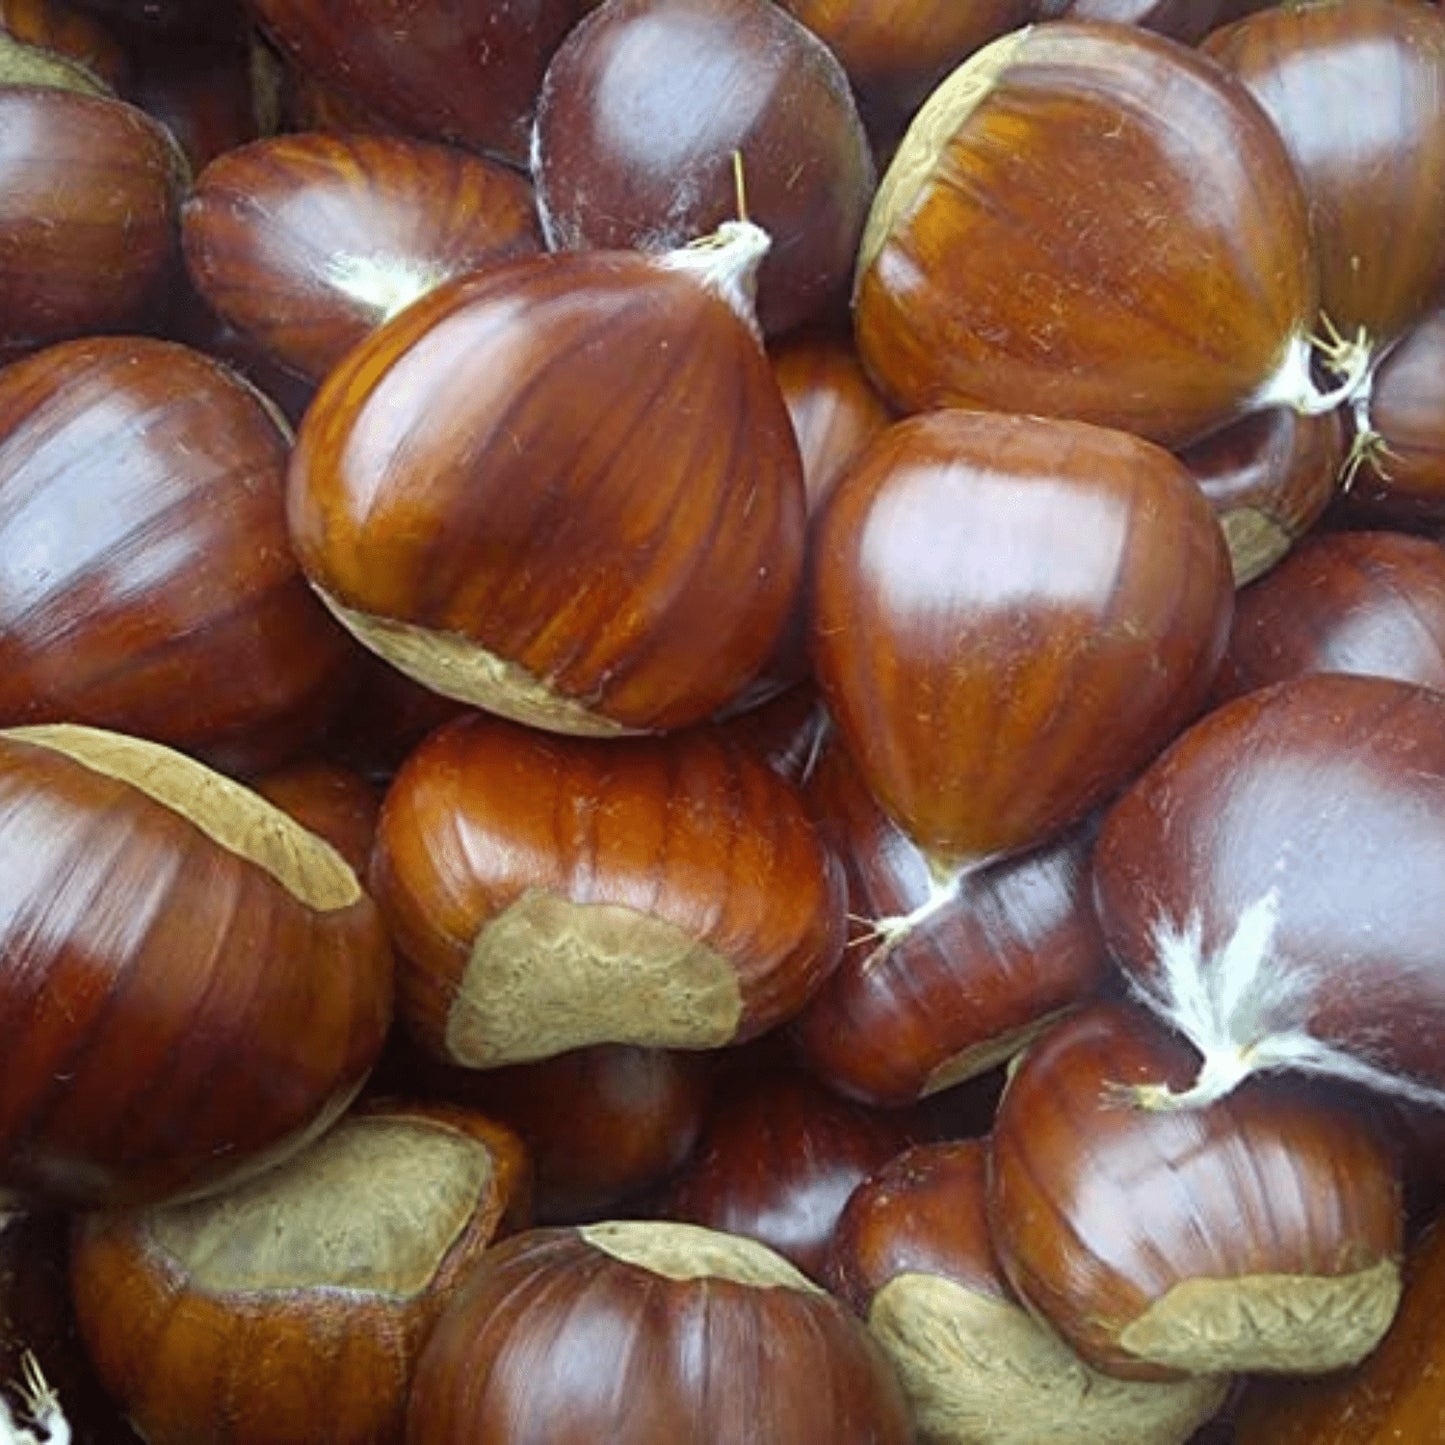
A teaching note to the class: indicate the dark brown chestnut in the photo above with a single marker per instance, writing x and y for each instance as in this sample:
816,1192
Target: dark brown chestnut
649,1331
1262,1232
1186,20
551,893
644,108
306,243
1271,887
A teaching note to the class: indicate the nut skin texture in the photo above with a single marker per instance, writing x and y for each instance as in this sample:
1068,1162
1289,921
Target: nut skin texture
1010,616
53,25
324,1362
150,586
1376,224
580,464
451,70
644,106
556,1340
900,1019
331,801
1269,477
177,1015
268,231
1137,242
1098,1210
89,190
1360,602
693,831
1312,790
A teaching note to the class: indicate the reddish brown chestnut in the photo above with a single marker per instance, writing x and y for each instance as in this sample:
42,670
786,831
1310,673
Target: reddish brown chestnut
777,1162
551,893
192,985
912,1010
912,1254
1262,1232
53,25
564,489
291,1311
1010,616
649,1331
644,108
1362,602
1271,886
1137,244
331,801
148,584
307,243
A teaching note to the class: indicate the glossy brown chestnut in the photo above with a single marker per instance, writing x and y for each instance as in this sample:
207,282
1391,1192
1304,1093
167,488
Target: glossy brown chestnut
601,1125
54,25
306,243
552,893
1010,616
451,70
291,1311
1397,1395
1261,1232
1269,478
192,986
649,1332
1271,886
564,489
1138,252
89,188
1374,188
646,104
777,1162
1361,602
148,585
912,1254
333,802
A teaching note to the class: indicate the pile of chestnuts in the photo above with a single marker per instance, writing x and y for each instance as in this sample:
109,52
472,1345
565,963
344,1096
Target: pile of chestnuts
722,721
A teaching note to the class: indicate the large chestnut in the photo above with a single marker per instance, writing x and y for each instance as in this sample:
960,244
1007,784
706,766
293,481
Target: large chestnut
192,985
649,1332
1262,1232
564,489
291,1310
550,893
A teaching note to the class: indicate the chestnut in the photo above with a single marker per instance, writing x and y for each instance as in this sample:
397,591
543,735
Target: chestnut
912,1254
551,893
148,586
291,1310
1137,242
306,243
53,25
329,800
786,731
564,489
192,987
648,1331
1260,1233
643,110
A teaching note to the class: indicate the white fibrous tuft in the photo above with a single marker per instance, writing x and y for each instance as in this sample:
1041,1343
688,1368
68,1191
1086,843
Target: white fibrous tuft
1246,1013
40,1408
386,285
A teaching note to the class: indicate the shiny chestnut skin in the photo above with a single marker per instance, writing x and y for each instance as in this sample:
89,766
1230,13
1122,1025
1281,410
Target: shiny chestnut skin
1268,885
291,1310
903,1017
150,587
1269,477
564,489
1010,615
1375,192
777,1162
329,800
54,25
451,70
193,985
1137,242
1262,1232
307,242
642,110
551,893
649,1331
1361,602
89,188
913,1255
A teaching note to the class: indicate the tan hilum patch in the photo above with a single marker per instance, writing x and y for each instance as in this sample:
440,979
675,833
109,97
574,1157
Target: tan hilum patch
685,1252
